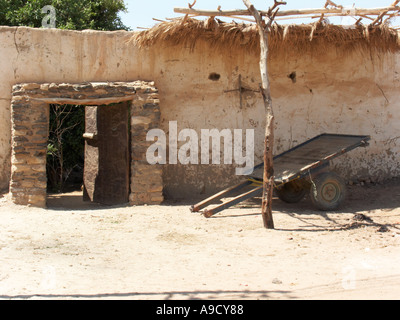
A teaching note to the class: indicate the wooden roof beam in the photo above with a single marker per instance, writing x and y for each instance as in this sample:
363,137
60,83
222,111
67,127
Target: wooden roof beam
285,13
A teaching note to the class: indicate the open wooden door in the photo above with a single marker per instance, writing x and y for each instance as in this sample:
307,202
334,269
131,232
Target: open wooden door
106,172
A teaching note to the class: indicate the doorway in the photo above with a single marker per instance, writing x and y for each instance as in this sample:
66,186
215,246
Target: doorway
115,139
65,148
88,154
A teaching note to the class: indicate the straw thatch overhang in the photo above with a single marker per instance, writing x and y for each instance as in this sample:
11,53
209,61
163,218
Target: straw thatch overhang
317,37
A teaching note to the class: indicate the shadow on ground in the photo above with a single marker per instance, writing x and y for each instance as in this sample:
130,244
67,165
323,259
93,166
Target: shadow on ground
168,295
361,201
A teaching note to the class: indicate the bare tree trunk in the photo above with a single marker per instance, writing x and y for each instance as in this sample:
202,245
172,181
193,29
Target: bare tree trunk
268,184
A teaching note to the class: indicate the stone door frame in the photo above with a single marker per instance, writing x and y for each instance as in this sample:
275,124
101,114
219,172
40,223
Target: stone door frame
30,130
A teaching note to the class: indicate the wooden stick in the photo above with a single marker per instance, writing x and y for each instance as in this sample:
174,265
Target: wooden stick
192,5
314,27
272,12
272,15
331,3
238,12
268,179
92,102
321,18
158,20
179,18
308,16
366,17
184,19
378,19
241,18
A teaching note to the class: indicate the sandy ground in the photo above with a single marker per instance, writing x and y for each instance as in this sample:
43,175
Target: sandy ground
77,251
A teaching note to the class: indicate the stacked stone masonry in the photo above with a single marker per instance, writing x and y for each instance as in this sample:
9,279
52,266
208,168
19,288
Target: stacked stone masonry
30,123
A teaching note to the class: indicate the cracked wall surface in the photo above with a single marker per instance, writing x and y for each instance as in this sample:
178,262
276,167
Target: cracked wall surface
352,92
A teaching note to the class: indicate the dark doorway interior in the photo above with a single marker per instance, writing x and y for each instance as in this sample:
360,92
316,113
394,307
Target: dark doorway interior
88,153
65,148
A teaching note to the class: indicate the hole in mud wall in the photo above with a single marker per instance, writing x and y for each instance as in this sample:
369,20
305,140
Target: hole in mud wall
214,76
293,76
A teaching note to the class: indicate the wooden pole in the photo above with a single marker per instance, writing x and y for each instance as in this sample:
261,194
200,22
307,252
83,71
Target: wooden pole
299,12
268,184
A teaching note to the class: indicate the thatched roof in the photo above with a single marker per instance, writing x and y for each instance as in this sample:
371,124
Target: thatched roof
301,38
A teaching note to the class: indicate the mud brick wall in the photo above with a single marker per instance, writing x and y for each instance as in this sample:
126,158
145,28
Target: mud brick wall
30,123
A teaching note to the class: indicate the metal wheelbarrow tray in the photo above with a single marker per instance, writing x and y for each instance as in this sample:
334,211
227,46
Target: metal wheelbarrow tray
302,169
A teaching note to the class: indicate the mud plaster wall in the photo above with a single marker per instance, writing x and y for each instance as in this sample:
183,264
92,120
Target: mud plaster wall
336,92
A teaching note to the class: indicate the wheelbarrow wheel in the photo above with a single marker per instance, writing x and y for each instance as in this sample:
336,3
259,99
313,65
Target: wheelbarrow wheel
328,191
291,192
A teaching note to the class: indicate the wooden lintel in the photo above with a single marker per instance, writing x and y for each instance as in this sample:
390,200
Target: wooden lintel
92,102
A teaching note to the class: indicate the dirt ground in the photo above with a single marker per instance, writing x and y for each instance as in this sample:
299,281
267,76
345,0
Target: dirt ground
78,251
